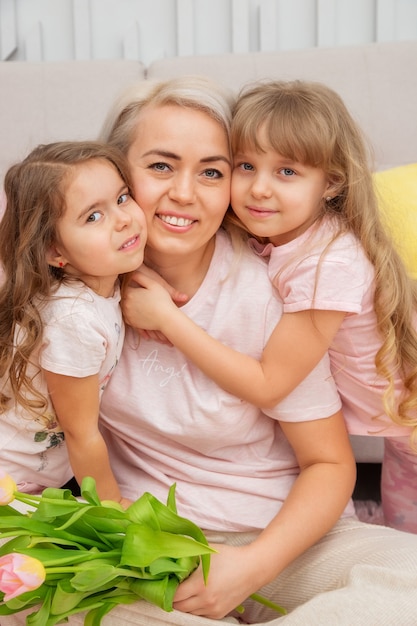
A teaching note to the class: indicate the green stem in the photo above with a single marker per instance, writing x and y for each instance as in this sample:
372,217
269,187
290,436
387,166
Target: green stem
89,556
33,500
271,605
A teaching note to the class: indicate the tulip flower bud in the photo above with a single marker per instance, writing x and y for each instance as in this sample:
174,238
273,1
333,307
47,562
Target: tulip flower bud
19,573
7,488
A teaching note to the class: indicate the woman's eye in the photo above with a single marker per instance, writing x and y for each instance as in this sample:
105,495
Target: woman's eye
287,171
159,167
94,217
213,173
123,198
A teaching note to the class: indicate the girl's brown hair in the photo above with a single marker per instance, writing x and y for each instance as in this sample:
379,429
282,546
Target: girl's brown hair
309,123
35,192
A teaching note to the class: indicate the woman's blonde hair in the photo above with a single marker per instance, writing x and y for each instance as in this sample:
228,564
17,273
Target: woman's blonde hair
35,192
309,123
193,92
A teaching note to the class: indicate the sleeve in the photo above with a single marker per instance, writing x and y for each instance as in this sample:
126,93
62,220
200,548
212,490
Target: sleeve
75,341
336,281
316,397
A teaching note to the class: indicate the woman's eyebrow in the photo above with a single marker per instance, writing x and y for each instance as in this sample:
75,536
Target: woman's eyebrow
172,155
162,153
212,159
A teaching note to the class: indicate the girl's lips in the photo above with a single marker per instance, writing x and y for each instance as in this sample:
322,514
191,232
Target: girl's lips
130,243
260,211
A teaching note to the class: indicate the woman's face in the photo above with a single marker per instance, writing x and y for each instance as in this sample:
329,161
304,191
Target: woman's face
181,171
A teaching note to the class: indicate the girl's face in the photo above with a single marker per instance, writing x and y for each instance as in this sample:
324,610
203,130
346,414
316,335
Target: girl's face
181,172
103,231
275,197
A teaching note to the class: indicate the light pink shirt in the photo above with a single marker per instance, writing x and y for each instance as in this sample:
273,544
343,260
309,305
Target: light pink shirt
166,422
344,282
83,335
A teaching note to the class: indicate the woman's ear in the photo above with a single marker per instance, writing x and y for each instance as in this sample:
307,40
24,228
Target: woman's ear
55,258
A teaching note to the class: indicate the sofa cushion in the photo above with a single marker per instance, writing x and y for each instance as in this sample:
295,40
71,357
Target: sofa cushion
397,193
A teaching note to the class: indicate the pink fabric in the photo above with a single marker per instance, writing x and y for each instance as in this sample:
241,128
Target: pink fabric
345,283
165,422
398,485
83,335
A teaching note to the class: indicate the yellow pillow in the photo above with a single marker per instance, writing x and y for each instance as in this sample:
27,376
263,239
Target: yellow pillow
397,193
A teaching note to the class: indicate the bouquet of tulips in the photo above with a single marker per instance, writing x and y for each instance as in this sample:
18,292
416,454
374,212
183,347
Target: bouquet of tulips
64,555
67,555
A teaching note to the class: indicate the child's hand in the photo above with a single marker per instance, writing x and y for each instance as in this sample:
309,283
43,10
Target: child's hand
125,502
144,270
147,305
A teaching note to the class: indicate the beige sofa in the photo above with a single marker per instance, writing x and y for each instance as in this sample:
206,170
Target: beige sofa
42,102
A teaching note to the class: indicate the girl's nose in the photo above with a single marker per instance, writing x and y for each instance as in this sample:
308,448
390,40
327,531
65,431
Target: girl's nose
123,218
261,187
182,189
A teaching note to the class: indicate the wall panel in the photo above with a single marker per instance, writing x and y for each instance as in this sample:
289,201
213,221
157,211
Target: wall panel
53,30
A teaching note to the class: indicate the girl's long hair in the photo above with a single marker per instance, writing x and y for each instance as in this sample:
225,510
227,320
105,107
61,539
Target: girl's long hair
35,192
309,123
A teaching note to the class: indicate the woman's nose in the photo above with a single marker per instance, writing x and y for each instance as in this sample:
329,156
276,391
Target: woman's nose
182,189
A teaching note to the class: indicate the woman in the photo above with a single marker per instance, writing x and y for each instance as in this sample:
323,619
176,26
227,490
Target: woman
269,488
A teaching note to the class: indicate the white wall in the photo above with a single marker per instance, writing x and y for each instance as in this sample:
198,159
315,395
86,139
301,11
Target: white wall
52,30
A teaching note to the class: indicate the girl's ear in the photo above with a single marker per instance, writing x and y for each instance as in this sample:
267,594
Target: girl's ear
55,258
333,189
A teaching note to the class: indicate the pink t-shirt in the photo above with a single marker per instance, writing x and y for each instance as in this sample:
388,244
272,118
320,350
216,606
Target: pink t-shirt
344,282
165,422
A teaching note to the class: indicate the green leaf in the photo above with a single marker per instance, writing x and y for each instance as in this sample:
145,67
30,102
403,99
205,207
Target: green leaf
65,597
181,568
142,512
89,491
171,502
7,510
158,592
94,576
143,545
94,617
40,617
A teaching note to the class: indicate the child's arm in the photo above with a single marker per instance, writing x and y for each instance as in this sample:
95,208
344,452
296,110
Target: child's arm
76,403
316,501
297,344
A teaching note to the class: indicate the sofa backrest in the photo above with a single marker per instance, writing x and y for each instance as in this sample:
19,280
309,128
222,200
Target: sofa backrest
377,82
42,102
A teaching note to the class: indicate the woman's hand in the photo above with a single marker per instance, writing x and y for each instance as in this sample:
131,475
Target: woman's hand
230,582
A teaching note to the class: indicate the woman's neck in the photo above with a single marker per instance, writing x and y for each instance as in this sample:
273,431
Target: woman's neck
184,273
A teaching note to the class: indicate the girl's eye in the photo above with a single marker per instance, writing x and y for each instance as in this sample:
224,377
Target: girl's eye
246,167
159,167
213,173
287,171
123,198
94,217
